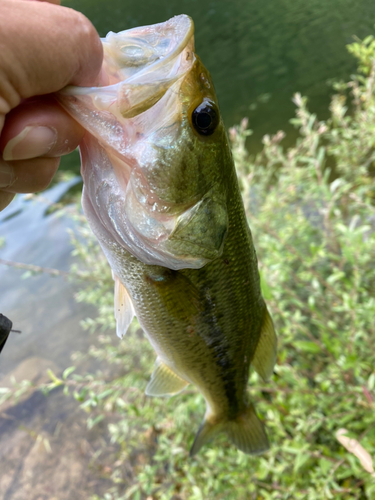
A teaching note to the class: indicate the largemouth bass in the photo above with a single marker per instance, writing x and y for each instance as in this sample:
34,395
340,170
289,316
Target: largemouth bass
162,197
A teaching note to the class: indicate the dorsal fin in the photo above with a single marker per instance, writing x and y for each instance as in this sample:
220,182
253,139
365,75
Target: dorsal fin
164,381
266,351
124,312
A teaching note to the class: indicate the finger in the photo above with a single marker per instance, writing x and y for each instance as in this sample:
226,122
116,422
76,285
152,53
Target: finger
5,199
60,46
56,2
27,176
39,127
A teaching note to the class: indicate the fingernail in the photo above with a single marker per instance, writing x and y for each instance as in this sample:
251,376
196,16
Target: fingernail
32,142
7,175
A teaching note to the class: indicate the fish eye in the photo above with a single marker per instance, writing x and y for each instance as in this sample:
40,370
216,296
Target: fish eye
205,118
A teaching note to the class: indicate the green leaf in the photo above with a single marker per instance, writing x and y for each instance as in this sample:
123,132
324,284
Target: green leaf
307,346
67,372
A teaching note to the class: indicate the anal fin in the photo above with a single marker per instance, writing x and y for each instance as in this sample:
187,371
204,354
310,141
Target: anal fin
124,312
264,358
164,381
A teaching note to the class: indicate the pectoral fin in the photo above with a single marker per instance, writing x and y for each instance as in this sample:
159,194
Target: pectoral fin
164,382
265,354
124,312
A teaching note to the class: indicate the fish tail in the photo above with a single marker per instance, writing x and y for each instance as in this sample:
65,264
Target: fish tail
205,433
246,432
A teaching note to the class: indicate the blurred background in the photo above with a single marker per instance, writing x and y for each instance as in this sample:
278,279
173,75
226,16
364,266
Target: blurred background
259,54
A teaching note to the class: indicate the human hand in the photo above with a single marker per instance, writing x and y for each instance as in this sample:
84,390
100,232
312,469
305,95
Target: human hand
43,48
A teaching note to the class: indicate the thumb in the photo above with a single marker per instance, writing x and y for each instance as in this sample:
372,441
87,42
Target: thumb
43,48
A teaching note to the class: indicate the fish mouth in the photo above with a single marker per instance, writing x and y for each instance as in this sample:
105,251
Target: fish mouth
139,66
147,51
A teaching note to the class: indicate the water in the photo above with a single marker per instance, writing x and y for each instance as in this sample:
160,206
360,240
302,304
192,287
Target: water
46,449
42,307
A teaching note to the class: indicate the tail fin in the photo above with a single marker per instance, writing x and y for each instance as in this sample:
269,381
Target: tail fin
246,432
205,433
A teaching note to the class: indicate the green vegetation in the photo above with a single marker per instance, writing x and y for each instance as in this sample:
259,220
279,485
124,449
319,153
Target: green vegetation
311,211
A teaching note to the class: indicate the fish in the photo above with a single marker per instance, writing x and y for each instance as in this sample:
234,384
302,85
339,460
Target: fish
161,195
